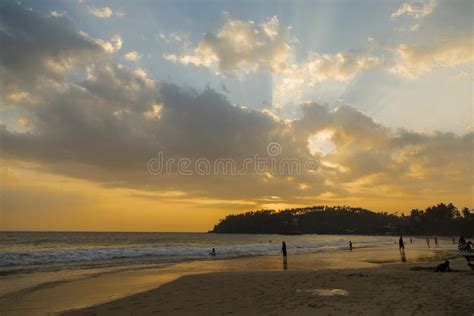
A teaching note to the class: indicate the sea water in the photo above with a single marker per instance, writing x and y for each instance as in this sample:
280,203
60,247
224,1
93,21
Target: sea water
46,251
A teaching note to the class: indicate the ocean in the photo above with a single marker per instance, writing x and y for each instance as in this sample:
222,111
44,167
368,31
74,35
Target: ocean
46,251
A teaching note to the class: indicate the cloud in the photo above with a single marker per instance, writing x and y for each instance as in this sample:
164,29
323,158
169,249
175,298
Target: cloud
413,62
416,9
36,46
141,73
369,156
105,12
111,46
132,56
341,66
57,13
319,68
23,122
240,46
123,122
104,127
271,27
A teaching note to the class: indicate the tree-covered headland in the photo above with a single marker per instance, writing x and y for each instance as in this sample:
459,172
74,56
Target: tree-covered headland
442,220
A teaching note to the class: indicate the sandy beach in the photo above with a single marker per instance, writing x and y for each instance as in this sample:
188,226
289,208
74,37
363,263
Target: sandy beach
369,280
392,289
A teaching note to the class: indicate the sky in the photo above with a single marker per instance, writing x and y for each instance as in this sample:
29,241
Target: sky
170,115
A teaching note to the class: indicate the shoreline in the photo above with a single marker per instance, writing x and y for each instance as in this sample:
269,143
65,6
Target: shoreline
395,288
55,297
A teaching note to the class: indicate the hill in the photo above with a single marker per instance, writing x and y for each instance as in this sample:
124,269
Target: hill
441,219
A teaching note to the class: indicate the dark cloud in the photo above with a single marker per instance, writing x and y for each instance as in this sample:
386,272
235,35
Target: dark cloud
34,46
88,133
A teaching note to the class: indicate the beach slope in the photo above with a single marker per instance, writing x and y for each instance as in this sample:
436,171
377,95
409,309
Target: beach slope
392,289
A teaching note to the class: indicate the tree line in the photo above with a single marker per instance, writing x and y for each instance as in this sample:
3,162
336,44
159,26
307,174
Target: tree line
442,220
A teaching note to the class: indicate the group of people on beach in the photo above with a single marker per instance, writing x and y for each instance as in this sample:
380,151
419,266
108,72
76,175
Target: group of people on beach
435,241
463,245
401,243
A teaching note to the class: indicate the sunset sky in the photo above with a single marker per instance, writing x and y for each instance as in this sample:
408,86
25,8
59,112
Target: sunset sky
378,94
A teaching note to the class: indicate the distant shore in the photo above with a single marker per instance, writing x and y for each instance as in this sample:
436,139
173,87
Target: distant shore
400,289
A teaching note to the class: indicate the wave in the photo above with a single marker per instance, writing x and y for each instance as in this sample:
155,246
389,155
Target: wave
101,254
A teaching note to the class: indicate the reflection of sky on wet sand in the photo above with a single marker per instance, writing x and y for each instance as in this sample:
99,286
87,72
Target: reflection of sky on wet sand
325,292
357,259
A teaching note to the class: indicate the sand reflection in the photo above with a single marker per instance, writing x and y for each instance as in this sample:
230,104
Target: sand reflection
326,292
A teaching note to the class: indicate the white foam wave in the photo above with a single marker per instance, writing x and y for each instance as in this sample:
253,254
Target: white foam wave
101,254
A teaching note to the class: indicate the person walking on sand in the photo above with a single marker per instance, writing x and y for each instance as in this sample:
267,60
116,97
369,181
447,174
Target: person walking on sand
411,241
401,245
436,241
428,242
350,245
283,251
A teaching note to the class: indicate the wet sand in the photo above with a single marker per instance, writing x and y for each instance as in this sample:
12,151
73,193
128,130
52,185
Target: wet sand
392,289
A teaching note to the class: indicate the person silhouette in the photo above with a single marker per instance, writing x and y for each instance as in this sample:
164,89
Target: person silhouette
443,267
428,242
401,245
213,252
284,252
436,241
350,245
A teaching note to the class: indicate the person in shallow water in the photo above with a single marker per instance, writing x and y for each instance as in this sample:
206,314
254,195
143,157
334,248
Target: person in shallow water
213,252
401,245
283,251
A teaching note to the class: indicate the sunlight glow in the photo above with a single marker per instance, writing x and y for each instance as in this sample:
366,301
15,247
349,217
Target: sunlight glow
321,143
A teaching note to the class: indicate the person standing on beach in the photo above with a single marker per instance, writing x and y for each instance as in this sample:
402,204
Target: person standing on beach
401,245
436,241
428,242
283,251
350,245
411,241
